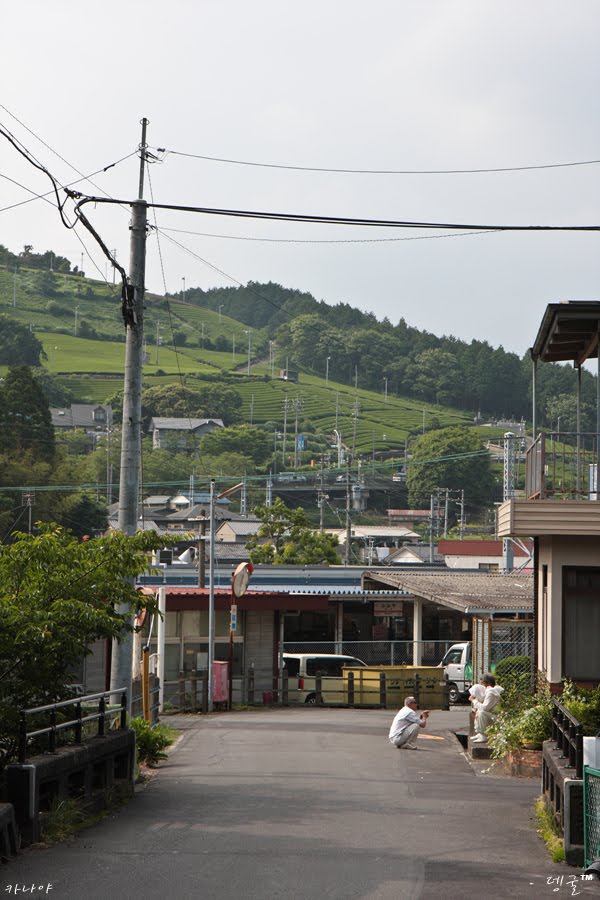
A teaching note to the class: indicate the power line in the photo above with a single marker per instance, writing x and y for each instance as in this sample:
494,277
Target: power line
232,237
37,196
337,220
478,171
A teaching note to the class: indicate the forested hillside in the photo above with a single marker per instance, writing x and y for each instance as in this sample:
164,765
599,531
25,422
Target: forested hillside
475,376
339,343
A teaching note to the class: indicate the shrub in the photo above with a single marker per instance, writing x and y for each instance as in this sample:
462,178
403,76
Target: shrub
512,665
151,742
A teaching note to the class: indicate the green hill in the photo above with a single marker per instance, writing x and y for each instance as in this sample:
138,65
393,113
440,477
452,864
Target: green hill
90,363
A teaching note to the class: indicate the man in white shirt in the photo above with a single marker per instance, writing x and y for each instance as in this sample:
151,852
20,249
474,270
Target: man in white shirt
406,724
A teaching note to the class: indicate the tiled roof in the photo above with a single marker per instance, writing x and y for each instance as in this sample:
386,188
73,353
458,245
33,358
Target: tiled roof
165,423
468,592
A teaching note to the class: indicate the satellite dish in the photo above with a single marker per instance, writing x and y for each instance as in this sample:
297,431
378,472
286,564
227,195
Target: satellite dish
187,556
240,579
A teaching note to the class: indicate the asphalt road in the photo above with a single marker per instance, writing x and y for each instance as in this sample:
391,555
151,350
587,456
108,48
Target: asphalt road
290,804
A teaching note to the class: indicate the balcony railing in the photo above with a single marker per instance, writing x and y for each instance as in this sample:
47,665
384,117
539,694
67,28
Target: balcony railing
562,466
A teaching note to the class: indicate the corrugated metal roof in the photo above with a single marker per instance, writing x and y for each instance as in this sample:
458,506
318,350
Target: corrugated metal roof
470,593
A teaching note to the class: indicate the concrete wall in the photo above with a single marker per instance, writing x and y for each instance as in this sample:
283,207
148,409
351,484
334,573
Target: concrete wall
555,552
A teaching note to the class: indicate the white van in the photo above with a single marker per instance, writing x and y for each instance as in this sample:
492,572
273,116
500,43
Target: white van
303,667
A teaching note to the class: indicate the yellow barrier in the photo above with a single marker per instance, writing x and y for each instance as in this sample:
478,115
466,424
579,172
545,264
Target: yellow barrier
426,683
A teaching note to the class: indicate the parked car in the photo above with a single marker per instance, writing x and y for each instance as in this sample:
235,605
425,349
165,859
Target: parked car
458,669
399,476
303,667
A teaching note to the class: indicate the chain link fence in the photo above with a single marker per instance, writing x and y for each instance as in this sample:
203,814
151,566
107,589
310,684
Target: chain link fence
591,814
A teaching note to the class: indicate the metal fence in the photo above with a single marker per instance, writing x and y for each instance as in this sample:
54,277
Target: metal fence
591,814
562,465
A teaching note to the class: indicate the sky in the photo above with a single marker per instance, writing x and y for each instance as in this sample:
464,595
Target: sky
322,84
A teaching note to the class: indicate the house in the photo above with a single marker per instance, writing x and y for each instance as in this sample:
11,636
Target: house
412,554
561,512
373,543
180,429
237,531
89,417
486,556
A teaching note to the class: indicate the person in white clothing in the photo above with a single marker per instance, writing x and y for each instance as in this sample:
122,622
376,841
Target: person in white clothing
406,724
483,706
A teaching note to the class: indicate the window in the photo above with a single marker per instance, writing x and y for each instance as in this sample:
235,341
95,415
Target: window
453,656
292,666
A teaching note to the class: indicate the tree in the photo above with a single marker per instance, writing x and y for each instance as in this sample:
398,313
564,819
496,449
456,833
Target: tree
25,420
18,345
285,537
57,596
246,439
450,458
82,515
211,401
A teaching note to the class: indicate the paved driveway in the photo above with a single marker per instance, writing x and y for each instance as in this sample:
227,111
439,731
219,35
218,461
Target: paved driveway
311,803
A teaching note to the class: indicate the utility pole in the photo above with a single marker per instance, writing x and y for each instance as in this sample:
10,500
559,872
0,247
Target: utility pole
431,535
297,403
131,442
355,412
15,286
348,522
157,339
285,412
202,550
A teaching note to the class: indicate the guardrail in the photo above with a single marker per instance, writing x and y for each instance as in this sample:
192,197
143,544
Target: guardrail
75,724
567,734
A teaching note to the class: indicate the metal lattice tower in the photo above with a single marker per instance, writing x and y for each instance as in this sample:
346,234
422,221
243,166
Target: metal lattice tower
508,494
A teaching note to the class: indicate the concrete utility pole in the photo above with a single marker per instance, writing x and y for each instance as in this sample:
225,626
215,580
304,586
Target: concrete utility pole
348,520
131,442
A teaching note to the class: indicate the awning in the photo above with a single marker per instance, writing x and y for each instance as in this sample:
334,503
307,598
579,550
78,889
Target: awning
189,598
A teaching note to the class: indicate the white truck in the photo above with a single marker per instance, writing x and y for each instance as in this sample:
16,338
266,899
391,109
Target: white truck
458,670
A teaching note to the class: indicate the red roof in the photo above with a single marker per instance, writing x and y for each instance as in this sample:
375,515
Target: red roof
187,598
475,548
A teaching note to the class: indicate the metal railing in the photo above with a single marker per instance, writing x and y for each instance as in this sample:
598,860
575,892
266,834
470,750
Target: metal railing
75,724
567,734
562,465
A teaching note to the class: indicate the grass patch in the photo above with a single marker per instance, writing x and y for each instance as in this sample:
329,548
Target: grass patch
548,831
63,819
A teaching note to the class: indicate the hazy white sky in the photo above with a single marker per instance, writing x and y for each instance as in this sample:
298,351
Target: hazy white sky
447,84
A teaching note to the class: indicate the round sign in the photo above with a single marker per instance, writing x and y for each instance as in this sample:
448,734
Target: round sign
240,579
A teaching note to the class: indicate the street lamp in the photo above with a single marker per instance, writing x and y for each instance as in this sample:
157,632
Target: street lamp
183,280
248,331
327,370
220,308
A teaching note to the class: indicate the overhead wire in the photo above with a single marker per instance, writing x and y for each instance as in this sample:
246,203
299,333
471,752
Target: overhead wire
37,196
349,171
315,219
169,313
234,237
